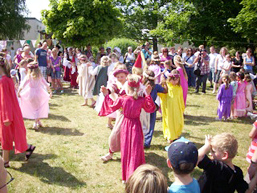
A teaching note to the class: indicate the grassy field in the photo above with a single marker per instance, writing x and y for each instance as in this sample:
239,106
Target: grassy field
67,157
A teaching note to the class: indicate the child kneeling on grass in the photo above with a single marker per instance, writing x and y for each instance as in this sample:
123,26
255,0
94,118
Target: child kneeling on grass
183,156
220,174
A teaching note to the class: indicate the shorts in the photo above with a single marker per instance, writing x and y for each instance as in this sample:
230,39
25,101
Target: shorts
43,71
217,76
212,74
56,75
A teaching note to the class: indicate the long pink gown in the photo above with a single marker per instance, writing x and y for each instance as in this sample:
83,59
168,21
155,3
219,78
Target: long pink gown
10,112
131,136
183,83
240,100
34,98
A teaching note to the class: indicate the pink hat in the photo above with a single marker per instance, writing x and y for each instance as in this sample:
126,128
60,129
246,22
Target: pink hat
116,72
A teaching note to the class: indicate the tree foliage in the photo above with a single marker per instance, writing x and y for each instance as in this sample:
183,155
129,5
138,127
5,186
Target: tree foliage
12,21
122,43
200,21
79,22
246,21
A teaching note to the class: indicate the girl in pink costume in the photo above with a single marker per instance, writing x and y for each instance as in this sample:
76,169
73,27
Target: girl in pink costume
12,127
34,96
240,101
132,139
183,76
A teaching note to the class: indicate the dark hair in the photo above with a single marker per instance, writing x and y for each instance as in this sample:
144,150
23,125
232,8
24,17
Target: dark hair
149,80
184,168
227,81
241,75
4,65
248,78
30,60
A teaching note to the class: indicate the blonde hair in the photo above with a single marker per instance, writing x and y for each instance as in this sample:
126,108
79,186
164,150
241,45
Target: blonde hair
226,142
133,78
105,61
173,72
34,73
137,71
223,48
147,179
178,60
119,66
23,62
226,81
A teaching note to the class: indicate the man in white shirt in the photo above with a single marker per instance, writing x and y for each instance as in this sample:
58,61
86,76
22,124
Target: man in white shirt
212,57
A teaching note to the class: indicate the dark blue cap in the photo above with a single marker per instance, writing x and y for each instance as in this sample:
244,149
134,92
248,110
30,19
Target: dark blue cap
182,151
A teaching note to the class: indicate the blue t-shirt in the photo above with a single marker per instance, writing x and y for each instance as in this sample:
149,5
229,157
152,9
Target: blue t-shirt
193,187
146,54
42,57
248,67
157,88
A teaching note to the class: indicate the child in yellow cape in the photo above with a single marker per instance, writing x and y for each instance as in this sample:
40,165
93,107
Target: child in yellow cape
172,105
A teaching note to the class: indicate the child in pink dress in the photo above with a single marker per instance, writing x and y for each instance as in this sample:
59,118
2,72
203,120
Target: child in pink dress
34,96
131,136
12,127
248,93
253,146
183,76
239,104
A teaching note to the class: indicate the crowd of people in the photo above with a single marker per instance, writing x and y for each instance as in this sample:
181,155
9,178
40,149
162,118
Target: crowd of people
131,89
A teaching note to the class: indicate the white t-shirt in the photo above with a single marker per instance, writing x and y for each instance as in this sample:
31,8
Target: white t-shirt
130,57
226,64
221,61
212,59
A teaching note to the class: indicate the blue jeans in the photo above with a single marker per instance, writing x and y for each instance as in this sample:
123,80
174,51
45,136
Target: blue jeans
191,76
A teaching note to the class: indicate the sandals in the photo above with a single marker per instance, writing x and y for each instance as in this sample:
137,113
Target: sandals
106,158
29,152
6,164
110,126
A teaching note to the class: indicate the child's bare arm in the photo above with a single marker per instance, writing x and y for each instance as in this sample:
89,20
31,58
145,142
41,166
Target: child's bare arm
204,149
252,184
253,132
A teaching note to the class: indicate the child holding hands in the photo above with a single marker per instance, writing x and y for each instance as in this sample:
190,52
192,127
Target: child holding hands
220,174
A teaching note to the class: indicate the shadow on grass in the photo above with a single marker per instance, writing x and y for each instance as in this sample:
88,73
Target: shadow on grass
198,120
48,174
58,117
158,161
158,133
60,131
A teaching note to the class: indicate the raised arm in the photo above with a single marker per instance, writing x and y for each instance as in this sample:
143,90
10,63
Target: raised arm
204,149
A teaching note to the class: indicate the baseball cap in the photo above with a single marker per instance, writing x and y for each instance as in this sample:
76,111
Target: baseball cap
182,151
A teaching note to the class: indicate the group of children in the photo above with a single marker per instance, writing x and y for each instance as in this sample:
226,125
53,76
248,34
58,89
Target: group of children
133,99
235,95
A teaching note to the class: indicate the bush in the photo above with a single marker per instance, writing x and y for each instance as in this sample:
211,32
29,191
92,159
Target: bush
122,43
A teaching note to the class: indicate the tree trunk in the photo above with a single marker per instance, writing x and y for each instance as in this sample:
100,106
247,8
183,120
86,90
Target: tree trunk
155,47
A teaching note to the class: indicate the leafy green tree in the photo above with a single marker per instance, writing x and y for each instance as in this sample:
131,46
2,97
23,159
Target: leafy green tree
79,22
200,22
246,20
12,21
141,16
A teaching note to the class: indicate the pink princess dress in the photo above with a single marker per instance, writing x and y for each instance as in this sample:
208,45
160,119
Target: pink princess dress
240,101
131,136
34,98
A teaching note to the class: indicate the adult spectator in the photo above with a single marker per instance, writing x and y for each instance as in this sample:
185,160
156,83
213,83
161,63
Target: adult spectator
203,60
7,57
129,59
100,54
249,61
165,57
172,52
88,51
108,51
219,62
12,53
26,54
212,57
237,62
117,51
189,66
179,51
41,58
147,51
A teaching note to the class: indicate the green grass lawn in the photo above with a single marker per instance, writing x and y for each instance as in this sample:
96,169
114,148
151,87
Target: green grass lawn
67,157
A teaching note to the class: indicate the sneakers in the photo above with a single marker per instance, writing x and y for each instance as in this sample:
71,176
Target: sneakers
54,92
62,91
251,115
